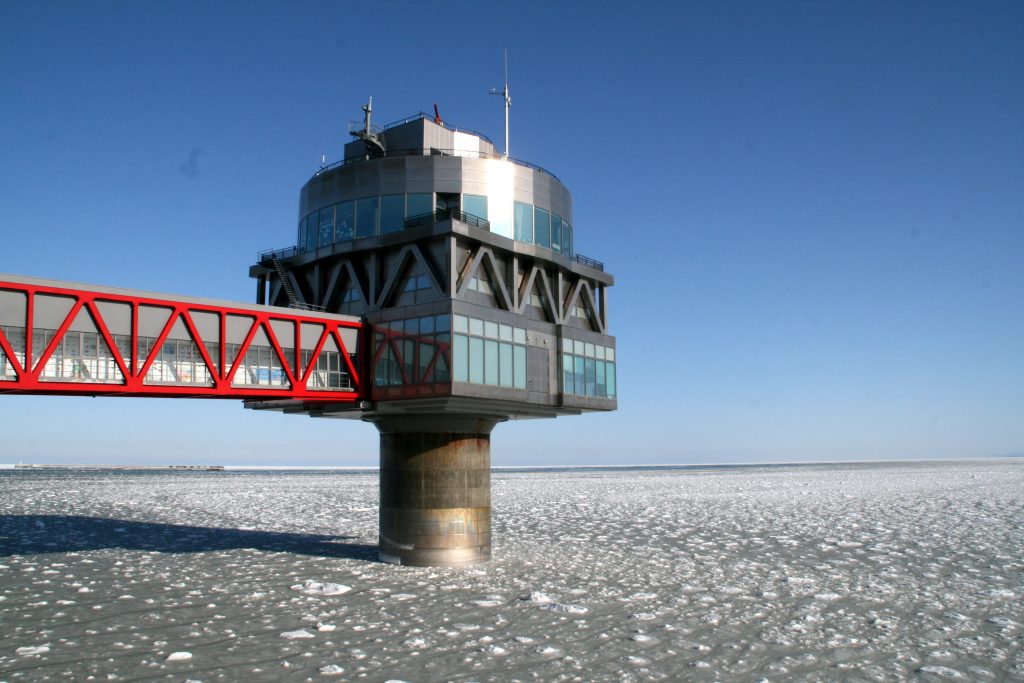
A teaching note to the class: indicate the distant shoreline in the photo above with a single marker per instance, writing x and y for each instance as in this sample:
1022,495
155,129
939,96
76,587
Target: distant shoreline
507,468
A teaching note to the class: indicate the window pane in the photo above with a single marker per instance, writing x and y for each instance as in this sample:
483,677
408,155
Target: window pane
461,323
475,205
602,390
506,333
491,362
519,335
566,239
344,221
519,366
556,233
418,204
610,379
578,378
491,329
460,358
366,217
442,323
311,231
326,225
591,372
542,227
609,353
524,222
476,360
392,213
505,363
476,326
567,373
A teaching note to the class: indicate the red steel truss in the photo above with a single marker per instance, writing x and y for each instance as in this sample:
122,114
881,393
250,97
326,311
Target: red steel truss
323,368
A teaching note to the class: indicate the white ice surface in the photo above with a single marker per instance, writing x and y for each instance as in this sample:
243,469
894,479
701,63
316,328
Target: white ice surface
860,572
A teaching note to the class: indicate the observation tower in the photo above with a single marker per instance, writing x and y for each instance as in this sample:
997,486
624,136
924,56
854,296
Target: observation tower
462,262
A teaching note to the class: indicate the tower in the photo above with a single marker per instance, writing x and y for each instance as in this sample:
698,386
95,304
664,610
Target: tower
463,262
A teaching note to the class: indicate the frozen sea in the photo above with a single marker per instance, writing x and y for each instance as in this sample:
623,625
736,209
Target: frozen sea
859,572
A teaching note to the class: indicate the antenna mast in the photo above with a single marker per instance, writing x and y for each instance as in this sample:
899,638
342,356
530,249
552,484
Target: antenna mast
508,100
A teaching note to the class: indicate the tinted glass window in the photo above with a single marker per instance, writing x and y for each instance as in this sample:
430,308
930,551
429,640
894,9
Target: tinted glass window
524,222
344,221
418,204
542,227
392,213
366,217
475,205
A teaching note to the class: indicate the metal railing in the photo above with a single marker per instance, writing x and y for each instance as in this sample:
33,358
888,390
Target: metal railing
589,262
445,214
434,151
268,255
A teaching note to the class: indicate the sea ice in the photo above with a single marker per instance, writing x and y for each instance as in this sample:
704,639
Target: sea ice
311,587
297,635
32,650
178,657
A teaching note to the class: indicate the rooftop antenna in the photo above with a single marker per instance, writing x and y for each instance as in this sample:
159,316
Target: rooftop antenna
508,100
374,142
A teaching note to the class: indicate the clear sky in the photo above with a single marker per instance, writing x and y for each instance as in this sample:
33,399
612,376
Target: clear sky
814,211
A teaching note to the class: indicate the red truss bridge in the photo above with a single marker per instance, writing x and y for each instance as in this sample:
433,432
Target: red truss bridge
64,338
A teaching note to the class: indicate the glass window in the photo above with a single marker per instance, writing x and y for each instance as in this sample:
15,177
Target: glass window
442,323
461,323
491,329
311,231
505,333
523,214
542,227
588,350
366,217
476,360
302,235
419,204
491,362
609,353
602,389
392,213
519,335
590,368
344,221
567,239
567,373
579,380
610,379
475,205
505,364
460,357
556,233
326,225
578,347
476,326
519,366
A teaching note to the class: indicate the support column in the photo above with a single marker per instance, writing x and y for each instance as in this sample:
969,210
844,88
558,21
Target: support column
435,489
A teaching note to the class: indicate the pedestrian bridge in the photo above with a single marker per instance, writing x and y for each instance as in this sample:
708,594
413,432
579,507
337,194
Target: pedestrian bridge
73,339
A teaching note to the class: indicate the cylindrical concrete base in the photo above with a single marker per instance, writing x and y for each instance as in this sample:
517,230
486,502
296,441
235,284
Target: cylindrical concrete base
435,490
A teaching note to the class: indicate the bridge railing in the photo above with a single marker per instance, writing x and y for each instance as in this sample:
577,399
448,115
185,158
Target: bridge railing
63,338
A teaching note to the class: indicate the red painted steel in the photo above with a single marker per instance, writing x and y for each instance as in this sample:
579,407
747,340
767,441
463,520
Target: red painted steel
28,378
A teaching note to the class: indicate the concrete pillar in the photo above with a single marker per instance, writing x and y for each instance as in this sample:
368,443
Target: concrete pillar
435,489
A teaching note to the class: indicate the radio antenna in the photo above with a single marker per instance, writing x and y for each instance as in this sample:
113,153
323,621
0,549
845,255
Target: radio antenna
508,100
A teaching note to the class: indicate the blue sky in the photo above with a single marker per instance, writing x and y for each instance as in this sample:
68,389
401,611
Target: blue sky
814,211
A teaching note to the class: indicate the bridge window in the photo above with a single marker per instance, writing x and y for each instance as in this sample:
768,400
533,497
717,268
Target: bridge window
15,337
588,369
415,351
485,352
